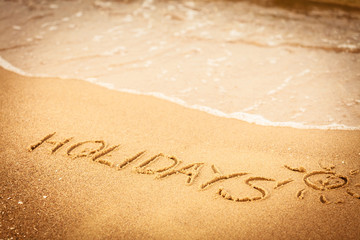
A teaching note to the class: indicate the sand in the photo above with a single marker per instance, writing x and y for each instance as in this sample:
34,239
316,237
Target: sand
83,162
294,63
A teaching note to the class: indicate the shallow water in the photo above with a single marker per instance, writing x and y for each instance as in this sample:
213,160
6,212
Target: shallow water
262,61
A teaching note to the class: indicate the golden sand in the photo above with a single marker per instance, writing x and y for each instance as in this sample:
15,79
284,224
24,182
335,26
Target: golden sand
83,162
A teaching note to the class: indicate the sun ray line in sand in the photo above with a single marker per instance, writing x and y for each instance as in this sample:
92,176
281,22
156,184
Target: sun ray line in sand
301,193
299,169
353,193
96,150
324,200
326,166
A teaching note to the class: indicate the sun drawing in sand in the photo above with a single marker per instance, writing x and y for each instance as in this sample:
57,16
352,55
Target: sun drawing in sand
326,180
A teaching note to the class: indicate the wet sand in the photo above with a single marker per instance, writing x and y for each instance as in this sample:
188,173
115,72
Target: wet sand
74,167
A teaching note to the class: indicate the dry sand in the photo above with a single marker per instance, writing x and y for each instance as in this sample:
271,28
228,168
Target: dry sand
69,191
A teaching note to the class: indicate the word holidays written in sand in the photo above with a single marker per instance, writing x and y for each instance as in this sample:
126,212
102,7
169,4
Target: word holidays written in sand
163,166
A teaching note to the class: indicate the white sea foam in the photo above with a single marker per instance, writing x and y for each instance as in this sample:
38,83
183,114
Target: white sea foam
250,118
8,66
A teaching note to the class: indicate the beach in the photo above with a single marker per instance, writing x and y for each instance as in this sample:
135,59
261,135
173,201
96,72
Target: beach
269,62
76,193
179,119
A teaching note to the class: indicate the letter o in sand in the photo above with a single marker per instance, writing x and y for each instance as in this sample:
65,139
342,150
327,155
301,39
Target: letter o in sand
86,152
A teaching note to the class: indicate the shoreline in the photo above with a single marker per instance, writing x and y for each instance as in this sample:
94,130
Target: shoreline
213,51
242,116
255,179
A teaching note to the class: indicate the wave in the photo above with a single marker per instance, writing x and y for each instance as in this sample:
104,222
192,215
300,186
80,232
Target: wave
247,117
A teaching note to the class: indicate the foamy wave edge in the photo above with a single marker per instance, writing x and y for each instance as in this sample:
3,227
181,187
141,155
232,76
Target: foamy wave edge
250,118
